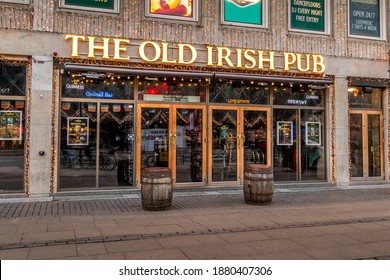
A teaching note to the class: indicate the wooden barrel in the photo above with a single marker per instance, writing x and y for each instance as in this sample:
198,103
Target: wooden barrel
156,188
258,184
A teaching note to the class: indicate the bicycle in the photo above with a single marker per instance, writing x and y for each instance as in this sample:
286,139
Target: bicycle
68,160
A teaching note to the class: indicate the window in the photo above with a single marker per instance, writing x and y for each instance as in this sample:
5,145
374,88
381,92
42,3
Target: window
16,1
173,9
309,16
367,19
110,6
244,12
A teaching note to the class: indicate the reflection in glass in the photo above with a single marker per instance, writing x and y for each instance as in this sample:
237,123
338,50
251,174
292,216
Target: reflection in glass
171,90
12,139
255,137
155,137
374,145
297,95
188,141
285,156
116,145
224,145
365,97
356,144
238,92
80,85
77,169
312,145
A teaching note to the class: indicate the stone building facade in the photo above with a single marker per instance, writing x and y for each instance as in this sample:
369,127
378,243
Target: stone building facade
90,95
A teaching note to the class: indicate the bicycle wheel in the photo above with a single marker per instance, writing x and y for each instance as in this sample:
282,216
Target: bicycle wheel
85,162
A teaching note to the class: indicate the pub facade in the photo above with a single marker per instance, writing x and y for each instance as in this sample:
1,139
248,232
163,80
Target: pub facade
93,92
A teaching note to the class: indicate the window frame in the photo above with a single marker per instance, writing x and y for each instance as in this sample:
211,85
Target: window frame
327,20
115,10
265,17
195,13
23,2
382,23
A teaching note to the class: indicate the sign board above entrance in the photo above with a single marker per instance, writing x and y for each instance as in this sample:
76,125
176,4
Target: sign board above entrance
186,54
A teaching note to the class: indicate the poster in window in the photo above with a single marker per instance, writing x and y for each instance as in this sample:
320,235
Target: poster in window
78,131
10,125
313,133
364,18
284,133
242,12
308,15
184,9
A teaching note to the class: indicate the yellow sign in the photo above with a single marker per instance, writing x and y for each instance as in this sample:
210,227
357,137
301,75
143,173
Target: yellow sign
187,54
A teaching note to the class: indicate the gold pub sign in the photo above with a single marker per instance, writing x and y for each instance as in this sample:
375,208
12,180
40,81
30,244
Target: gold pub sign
149,51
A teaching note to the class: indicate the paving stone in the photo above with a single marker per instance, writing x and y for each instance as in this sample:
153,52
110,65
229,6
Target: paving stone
91,249
50,252
47,236
115,256
178,241
205,252
132,245
14,254
158,254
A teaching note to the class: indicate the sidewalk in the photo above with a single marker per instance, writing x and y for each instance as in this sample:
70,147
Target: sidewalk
301,223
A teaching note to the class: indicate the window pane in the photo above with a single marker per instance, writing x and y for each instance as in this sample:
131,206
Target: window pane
365,97
12,80
297,95
171,90
78,145
12,123
100,87
239,92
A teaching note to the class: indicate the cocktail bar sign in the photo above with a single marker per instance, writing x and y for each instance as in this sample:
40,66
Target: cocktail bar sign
185,54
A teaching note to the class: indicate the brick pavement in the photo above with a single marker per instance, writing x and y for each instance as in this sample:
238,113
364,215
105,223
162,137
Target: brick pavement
306,224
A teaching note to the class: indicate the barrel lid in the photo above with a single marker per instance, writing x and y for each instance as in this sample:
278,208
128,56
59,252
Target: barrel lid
156,172
257,167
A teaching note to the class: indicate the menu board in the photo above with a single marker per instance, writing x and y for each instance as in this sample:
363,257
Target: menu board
10,125
364,18
307,15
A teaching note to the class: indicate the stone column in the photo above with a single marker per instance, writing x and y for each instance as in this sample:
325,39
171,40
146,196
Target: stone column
41,108
341,130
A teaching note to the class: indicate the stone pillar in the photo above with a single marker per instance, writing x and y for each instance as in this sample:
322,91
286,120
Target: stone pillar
341,131
41,112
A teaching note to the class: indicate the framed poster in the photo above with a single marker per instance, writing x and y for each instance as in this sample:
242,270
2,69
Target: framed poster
78,131
309,16
111,6
244,12
284,133
173,9
10,125
16,1
366,18
313,133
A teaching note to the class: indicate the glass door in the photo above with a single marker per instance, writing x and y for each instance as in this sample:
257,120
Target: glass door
366,144
173,136
223,164
255,136
238,136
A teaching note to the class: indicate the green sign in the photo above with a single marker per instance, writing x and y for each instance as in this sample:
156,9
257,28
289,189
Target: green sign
364,18
243,11
308,15
99,4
